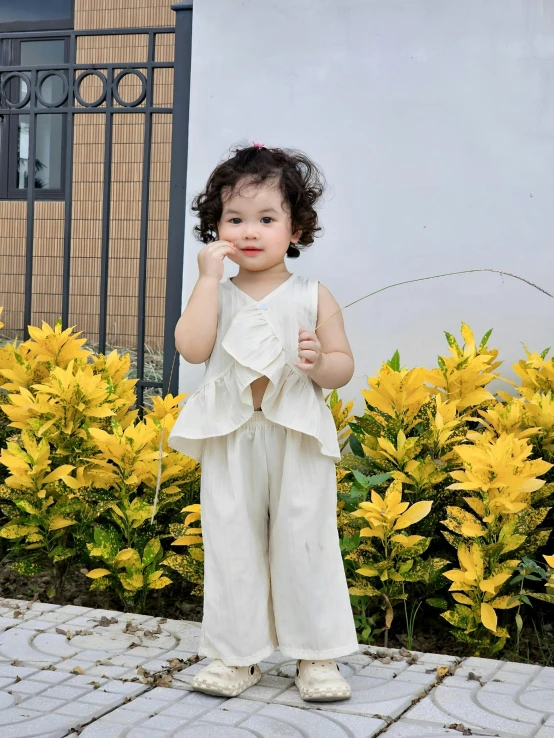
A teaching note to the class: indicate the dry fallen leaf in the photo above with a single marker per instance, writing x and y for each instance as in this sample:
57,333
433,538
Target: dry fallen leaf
104,621
77,670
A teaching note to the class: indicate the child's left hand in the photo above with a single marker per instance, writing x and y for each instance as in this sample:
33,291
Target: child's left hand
309,351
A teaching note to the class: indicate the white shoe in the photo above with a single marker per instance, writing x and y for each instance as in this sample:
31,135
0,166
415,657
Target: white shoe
321,681
226,681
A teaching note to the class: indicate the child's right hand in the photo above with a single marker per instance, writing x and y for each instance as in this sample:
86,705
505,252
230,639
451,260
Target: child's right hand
210,258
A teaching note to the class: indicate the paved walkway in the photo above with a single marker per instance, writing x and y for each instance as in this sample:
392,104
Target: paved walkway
69,671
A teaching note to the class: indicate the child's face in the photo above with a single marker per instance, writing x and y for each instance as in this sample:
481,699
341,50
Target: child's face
257,224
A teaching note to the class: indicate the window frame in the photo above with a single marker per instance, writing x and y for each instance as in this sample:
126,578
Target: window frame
63,24
10,55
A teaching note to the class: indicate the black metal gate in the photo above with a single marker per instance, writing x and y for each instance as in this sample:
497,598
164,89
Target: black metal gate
21,91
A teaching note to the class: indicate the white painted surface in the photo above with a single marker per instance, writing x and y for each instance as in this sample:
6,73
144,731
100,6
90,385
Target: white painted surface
433,121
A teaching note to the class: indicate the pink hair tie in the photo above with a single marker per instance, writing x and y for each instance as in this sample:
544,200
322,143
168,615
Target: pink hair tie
258,145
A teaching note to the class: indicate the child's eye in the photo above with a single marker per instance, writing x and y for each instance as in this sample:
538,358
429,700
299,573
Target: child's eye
267,219
234,219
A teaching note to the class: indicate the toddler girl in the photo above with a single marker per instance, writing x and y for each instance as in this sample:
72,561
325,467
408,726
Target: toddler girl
262,431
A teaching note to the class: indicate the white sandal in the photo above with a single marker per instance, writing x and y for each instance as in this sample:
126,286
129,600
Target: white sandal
321,681
226,681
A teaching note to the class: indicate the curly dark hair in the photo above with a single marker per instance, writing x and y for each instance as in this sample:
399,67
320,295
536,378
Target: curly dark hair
300,180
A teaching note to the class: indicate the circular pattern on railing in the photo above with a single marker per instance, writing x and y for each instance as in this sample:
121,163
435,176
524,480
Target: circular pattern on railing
79,81
43,76
117,81
15,75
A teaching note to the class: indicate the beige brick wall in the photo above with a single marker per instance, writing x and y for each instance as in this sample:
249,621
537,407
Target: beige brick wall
88,175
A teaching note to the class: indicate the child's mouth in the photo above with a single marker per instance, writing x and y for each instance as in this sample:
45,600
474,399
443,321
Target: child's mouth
251,251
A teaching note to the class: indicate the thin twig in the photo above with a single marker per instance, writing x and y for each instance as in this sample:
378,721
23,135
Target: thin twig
436,276
160,454
424,279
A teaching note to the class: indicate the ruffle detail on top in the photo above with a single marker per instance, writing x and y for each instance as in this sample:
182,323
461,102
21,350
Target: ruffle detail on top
256,348
224,403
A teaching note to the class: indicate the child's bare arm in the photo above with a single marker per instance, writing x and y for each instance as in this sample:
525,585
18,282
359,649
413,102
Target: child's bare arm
196,329
326,354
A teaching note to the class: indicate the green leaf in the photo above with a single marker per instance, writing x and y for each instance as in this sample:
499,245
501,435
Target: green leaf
356,446
377,479
26,506
107,544
361,479
439,602
60,553
458,618
394,363
424,571
99,584
364,590
453,343
151,551
442,365
485,339
27,567
186,566
544,597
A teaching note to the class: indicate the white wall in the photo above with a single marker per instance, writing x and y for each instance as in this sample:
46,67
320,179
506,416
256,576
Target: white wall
433,121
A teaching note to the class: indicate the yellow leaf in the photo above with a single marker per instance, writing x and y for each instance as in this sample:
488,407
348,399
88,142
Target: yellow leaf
406,540
160,583
367,571
506,602
97,573
470,530
550,561
488,617
192,518
58,522
58,473
462,598
186,540
414,514
191,508
493,583
476,505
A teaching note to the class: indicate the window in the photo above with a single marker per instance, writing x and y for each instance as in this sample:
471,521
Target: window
35,15
49,127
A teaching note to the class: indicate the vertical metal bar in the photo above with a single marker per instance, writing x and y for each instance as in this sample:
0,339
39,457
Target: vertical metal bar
178,188
31,163
68,206
106,202
145,194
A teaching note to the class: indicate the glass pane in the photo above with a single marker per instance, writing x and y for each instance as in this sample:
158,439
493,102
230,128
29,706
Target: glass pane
30,11
48,161
43,52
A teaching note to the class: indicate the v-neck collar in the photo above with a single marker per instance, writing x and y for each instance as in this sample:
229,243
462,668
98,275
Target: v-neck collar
269,294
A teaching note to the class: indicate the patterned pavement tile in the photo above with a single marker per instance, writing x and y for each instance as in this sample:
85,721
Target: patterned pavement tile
489,698
74,671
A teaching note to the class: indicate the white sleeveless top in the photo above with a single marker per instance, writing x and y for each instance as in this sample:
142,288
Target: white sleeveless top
256,339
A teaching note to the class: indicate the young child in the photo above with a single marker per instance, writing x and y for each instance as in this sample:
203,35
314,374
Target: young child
262,431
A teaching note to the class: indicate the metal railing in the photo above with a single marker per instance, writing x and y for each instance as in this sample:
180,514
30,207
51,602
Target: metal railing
110,103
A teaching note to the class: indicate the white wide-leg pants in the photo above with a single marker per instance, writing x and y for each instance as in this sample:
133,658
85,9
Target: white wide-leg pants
273,570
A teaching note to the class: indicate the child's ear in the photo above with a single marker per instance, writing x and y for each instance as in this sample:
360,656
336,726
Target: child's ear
296,237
